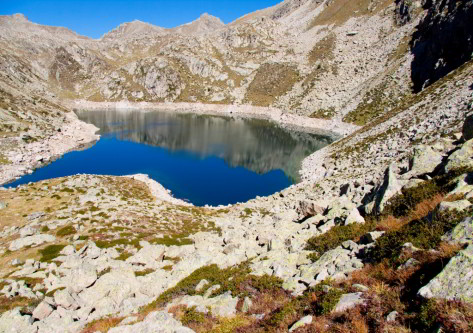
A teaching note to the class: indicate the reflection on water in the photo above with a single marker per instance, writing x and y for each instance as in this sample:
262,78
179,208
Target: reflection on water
257,145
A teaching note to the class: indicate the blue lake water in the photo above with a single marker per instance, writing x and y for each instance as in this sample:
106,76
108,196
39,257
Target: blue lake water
202,159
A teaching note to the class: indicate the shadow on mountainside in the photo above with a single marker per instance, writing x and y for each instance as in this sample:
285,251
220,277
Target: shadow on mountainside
442,42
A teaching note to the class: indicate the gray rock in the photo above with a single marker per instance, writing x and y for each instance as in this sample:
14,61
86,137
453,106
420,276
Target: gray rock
63,298
14,322
409,263
392,316
68,250
42,311
16,262
371,237
468,128
455,281
307,208
462,233
389,188
27,231
247,304
155,322
459,205
301,322
424,160
461,158
148,256
201,285
31,241
209,291
35,216
3,205
360,287
354,217
81,277
348,301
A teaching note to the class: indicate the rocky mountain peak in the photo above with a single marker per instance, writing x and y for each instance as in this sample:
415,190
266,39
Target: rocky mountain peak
19,17
204,24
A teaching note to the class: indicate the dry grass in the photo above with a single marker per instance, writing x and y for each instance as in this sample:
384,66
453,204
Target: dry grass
391,223
271,81
340,11
102,325
323,50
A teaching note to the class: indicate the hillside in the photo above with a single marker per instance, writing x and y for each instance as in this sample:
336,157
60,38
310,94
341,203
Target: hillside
376,237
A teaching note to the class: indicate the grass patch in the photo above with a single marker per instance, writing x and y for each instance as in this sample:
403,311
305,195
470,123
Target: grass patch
236,279
170,241
324,113
66,231
271,82
144,272
50,252
335,237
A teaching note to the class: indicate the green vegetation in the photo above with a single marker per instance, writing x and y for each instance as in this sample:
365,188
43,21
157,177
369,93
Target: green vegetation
335,237
50,252
324,113
144,272
66,231
191,315
424,233
172,240
235,279
271,82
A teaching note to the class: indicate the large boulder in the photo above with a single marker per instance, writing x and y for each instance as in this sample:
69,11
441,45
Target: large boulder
468,128
463,157
455,281
149,256
81,277
349,301
389,188
462,233
155,322
31,241
424,160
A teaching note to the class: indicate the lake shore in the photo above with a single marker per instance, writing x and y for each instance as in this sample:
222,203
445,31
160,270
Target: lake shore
76,134
333,128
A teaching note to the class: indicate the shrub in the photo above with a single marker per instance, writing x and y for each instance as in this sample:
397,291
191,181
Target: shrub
335,237
191,315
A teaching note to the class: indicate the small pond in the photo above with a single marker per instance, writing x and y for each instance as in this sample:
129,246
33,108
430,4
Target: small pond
202,159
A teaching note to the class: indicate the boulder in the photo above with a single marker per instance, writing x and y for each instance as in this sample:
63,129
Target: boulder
14,321
155,322
389,188
455,281
81,277
424,160
461,158
354,217
247,304
308,208
3,205
348,301
468,128
459,205
301,322
371,237
42,311
391,317
27,231
149,255
462,233
64,299
31,241
201,285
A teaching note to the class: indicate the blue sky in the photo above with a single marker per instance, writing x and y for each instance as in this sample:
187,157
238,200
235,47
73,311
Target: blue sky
94,18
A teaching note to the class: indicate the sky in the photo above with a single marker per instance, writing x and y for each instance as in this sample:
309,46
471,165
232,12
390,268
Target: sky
95,18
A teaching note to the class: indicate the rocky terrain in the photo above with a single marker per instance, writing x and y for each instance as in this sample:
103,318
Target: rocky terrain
376,238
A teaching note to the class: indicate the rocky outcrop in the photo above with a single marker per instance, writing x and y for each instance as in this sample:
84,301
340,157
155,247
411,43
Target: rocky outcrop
158,322
436,53
455,282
